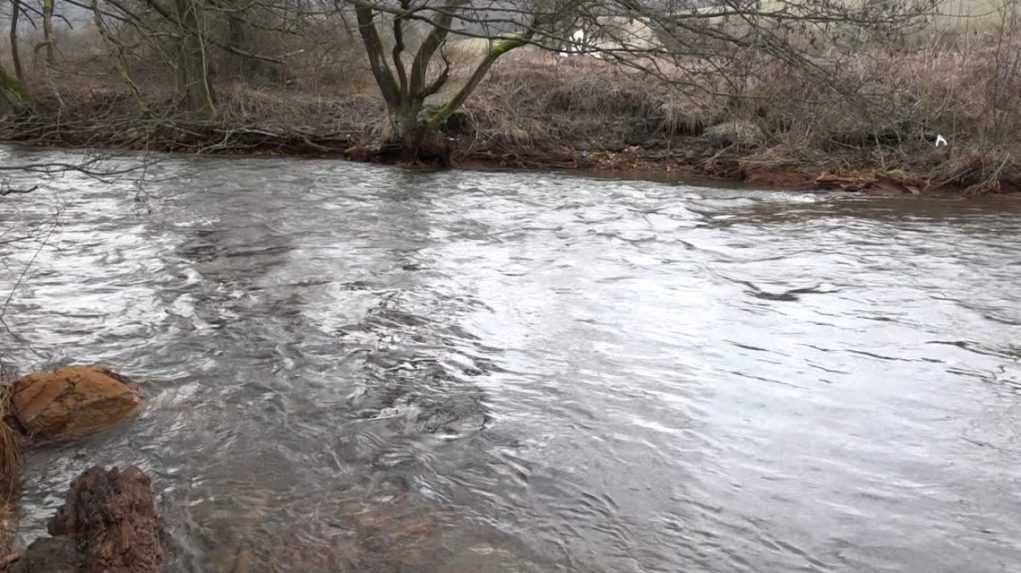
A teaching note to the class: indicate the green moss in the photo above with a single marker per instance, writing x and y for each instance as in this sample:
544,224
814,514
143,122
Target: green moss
496,49
14,91
501,47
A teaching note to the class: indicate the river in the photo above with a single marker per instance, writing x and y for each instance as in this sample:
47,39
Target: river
361,368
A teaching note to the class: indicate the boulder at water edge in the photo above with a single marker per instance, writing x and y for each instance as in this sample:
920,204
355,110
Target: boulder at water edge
108,524
72,401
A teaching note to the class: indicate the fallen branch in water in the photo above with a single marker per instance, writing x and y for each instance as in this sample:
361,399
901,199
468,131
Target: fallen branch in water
14,190
91,168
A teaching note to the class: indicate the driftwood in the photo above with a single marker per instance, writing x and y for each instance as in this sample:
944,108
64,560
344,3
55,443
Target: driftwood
108,524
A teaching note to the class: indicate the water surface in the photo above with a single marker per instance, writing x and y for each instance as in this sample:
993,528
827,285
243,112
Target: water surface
360,368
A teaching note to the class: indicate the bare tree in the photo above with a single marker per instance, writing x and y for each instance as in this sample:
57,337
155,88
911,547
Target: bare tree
15,55
411,126
48,39
192,61
187,34
684,43
427,57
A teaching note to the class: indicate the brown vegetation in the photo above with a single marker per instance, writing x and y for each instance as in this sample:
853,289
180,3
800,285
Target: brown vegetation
10,452
10,472
875,115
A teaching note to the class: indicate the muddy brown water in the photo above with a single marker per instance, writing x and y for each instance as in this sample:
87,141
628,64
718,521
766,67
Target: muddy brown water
362,368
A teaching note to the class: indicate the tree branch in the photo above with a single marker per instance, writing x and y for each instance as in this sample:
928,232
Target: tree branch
374,49
432,42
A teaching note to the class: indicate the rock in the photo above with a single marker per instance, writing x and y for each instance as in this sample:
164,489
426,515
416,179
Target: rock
112,517
72,401
742,133
48,555
108,524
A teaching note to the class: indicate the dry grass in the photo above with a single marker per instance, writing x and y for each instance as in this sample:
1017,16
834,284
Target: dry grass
10,451
10,469
581,103
889,107
880,106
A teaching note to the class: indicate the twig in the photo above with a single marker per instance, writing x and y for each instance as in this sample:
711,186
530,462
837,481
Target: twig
13,190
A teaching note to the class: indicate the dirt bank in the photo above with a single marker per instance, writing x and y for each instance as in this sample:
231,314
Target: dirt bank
106,120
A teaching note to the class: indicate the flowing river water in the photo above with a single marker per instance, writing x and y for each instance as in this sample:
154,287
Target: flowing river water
361,368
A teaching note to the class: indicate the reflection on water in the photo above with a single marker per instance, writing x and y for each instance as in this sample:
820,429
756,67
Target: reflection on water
356,368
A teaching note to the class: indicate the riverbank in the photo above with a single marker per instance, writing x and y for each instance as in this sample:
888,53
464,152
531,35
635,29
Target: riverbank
535,112
691,158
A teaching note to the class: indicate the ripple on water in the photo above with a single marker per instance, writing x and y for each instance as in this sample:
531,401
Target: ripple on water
358,368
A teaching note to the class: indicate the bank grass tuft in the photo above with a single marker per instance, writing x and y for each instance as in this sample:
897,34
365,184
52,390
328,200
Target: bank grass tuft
10,451
10,470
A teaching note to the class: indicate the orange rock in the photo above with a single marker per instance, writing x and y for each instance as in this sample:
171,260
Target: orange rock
72,401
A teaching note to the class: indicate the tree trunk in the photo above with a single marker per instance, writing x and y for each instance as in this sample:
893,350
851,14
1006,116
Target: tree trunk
414,134
119,51
237,37
48,38
192,69
404,123
15,55
411,141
